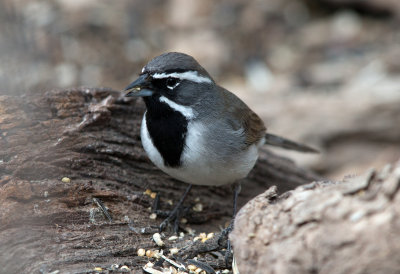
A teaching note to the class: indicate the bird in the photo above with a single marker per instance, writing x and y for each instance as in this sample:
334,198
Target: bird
197,131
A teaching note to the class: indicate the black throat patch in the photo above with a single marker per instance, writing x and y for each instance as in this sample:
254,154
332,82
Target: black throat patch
167,129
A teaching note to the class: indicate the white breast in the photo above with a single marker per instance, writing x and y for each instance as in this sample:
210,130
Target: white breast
148,145
200,164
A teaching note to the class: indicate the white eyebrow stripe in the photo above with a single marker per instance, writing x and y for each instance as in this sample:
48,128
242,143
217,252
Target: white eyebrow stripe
184,110
187,75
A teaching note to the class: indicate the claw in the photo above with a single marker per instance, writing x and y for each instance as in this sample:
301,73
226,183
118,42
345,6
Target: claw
175,214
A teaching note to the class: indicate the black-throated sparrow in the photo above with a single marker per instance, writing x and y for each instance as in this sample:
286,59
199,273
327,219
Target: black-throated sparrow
195,130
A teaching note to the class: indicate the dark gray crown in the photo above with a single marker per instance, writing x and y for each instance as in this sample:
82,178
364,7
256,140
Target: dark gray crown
174,62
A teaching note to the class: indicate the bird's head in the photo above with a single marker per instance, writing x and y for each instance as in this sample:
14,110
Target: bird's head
175,76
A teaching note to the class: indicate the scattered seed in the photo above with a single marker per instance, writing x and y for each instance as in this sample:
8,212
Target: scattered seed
203,237
190,231
66,180
174,250
147,192
125,268
183,221
98,269
156,254
153,216
192,267
198,207
157,239
153,254
141,252
173,238
173,270
172,262
153,195
149,269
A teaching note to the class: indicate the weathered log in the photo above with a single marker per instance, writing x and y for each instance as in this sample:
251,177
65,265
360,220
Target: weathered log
91,136
347,227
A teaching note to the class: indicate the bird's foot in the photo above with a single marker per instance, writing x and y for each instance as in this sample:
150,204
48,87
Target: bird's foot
225,236
174,217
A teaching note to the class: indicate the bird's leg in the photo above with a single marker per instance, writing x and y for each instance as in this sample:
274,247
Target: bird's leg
156,204
236,190
175,213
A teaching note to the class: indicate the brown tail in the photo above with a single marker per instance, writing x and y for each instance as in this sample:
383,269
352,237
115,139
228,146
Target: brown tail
278,141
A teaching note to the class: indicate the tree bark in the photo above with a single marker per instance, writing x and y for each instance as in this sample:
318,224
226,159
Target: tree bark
61,149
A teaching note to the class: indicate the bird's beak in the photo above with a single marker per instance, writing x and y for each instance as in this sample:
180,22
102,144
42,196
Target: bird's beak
141,87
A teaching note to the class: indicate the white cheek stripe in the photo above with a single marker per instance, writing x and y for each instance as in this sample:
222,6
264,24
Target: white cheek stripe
184,110
187,75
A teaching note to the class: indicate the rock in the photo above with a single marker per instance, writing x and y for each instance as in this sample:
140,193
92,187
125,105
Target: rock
344,227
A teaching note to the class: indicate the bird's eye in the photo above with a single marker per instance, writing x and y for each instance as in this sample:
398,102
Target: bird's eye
172,82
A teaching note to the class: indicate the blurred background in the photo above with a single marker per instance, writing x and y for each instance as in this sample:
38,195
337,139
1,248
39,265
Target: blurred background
324,72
